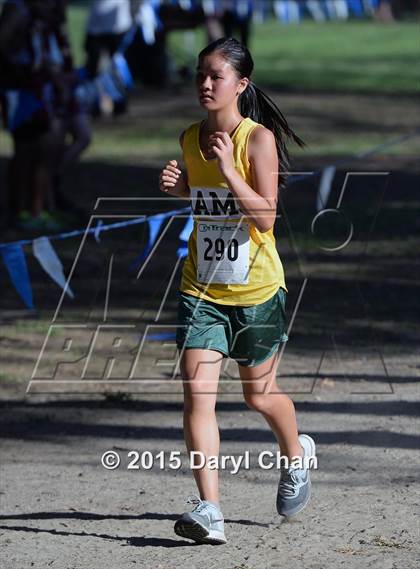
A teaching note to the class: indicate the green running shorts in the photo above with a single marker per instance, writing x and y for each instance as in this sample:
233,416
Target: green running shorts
248,334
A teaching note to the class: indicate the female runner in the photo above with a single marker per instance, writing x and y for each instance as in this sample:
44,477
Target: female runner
233,291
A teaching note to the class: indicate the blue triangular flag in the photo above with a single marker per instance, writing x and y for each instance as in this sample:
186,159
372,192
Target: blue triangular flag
182,251
324,188
108,85
123,70
148,20
154,225
162,336
97,230
188,227
15,262
50,262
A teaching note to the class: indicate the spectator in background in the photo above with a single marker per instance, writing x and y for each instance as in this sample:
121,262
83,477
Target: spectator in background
237,15
384,11
40,108
72,115
147,54
224,17
108,22
212,20
389,10
31,63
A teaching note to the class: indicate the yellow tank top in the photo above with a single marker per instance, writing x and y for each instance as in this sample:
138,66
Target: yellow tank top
229,261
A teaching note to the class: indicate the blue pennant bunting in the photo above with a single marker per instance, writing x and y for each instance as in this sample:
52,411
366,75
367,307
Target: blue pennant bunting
97,231
148,20
188,227
162,336
123,70
15,262
182,251
50,262
324,188
155,223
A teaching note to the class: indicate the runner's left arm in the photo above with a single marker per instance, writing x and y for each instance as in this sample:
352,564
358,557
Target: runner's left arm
258,203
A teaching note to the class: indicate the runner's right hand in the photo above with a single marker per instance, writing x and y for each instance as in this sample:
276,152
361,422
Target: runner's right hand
171,180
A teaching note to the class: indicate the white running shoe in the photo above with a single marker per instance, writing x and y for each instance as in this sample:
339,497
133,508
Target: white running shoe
204,524
294,490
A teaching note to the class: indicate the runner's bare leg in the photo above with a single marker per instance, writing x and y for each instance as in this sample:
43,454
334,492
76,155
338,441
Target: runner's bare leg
262,394
200,371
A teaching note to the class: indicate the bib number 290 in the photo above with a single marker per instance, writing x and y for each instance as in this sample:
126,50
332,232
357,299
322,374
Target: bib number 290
222,253
219,249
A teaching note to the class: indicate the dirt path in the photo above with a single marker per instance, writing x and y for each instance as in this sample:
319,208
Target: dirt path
356,330
62,509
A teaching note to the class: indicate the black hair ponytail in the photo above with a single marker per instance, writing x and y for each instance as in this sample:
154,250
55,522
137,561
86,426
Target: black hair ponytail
253,102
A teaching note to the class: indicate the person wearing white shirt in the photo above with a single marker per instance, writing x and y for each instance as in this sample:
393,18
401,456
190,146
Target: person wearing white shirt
108,21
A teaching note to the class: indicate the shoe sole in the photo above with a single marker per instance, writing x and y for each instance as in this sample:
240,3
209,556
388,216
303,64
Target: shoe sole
197,532
303,505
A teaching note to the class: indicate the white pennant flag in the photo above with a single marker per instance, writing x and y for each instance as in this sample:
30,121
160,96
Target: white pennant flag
147,20
49,261
324,188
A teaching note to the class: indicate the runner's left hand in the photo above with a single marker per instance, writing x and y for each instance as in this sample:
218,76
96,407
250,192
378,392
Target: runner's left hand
221,145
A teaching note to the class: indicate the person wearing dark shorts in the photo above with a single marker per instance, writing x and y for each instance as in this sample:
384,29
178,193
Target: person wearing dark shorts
232,295
247,334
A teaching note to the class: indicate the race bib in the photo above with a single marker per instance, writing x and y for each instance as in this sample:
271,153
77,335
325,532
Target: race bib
222,252
222,238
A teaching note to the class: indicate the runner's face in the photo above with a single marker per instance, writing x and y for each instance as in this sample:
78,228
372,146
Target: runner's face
216,81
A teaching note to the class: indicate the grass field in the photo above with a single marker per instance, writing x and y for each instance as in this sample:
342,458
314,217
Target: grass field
344,56
325,77
360,58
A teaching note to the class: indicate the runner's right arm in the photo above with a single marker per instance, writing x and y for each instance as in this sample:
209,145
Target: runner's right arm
174,181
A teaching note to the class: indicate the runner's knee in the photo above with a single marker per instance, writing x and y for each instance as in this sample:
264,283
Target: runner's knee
199,402
260,402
